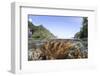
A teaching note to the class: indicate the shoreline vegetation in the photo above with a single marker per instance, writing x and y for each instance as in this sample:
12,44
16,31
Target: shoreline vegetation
43,45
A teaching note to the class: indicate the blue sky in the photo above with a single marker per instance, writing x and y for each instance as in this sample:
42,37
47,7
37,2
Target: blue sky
61,26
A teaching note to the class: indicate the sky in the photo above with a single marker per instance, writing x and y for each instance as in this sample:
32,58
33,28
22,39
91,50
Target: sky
61,26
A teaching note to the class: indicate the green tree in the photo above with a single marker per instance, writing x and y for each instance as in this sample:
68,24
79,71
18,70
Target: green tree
83,33
84,29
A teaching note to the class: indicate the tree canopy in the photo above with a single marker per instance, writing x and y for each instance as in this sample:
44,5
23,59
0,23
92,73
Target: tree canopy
83,33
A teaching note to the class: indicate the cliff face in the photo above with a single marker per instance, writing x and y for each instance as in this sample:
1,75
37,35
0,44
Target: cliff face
39,32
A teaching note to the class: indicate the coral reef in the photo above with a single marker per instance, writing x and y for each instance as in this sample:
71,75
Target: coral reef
58,49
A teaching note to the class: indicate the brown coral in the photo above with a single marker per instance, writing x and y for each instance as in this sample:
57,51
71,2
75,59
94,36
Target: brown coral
59,49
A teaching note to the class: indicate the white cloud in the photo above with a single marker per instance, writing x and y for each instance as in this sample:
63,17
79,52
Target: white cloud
30,19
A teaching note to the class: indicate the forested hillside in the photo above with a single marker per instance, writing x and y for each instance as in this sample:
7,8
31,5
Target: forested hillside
40,32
